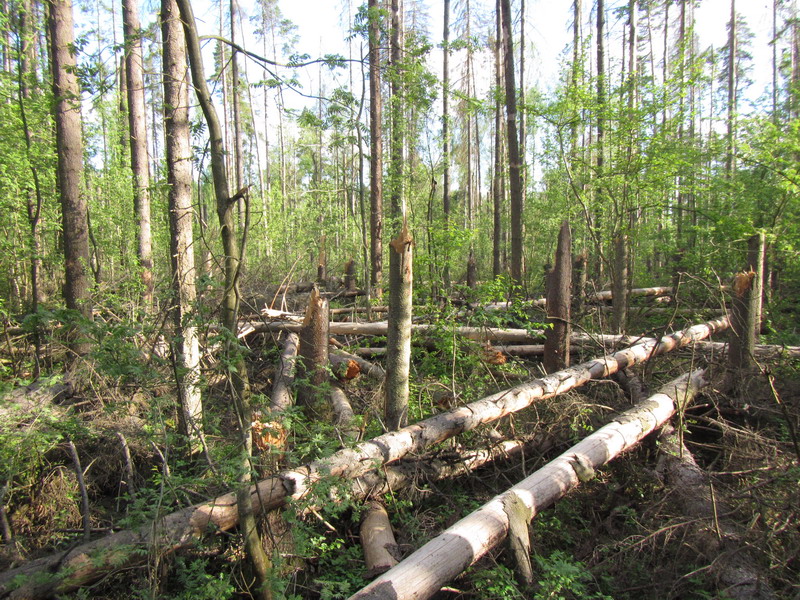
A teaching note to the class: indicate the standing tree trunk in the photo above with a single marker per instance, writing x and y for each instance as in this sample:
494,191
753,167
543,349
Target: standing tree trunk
27,78
559,281
230,303
497,197
513,146
398,341
730,136
446,139
619,284
67,114
186,347
376,150
138,141
238,151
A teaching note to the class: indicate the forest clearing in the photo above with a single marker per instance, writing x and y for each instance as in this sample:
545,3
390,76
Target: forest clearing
423,328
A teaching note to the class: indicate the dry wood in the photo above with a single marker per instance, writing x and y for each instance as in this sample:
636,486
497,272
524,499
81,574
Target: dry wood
181,529
424,572
382,328
377,539
284,377
721,544
343,417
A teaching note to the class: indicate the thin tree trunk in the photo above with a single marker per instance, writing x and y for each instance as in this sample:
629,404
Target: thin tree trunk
497,187
376,150
398,341
446,139
138,142
513,147
186,347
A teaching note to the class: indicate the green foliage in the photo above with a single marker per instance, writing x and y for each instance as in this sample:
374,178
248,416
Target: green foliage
196,583
562,577
497,582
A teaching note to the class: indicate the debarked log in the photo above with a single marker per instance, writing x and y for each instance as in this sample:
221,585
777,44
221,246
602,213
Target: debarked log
87,562
425,571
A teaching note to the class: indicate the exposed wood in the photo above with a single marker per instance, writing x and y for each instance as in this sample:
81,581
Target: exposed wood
181,529
519,515
282,397
368,369
423,573
742,333
377,539
559,283
312,355
344,368
721,544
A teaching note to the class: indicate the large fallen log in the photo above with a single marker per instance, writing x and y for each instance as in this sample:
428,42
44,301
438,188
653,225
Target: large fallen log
87,562
425,571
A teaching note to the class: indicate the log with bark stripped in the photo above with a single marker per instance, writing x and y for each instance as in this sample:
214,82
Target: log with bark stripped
87,562
423,573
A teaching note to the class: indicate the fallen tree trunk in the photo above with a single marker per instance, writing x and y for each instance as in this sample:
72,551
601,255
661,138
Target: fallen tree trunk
368,369
382,328
87,562
762,351
284,379
423,573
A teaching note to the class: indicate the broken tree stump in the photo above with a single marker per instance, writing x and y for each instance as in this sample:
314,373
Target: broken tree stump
559,282
312,354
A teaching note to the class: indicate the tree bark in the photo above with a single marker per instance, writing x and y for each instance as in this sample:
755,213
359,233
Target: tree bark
398,340
67,115
281,398
138,142
185,344
422,574
376,150
512,139
559,281
619,294
446,141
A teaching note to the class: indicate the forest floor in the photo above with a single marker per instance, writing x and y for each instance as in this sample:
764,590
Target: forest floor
624,534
